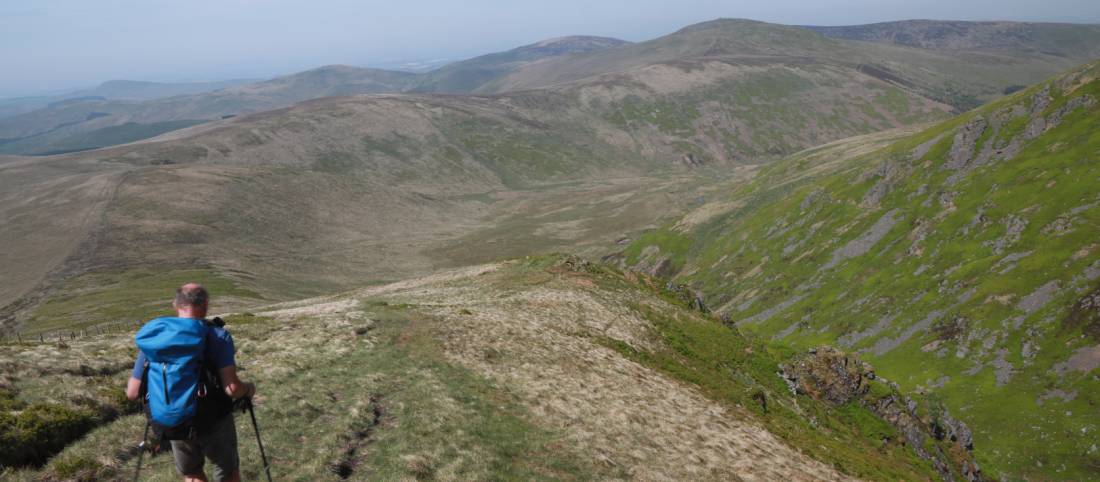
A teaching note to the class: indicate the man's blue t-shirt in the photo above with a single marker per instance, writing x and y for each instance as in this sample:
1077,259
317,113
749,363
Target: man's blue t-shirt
219,351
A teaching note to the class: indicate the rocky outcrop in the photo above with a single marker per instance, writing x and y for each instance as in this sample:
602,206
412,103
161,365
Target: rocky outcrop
829,374
840,378
691,160
888,173
861,245
965,143
653,262
691,297
1039,124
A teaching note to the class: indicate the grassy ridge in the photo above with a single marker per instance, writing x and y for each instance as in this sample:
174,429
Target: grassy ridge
377,380
380,402
741,371
126,296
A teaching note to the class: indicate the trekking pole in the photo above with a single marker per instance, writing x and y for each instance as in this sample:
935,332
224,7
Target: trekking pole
263,456
141,450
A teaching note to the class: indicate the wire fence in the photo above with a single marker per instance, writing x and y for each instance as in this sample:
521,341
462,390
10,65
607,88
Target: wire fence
60,336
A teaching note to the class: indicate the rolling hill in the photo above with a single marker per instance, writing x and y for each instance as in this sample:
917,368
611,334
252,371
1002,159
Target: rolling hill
1003,60
90,123
960,261
1054,39
478,75
116,90
448,171
362,176
963,78
69,125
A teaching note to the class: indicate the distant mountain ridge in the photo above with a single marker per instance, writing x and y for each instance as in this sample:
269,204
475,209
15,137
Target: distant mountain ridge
132,90
963,78
144,90
87,120
1065,39
477,75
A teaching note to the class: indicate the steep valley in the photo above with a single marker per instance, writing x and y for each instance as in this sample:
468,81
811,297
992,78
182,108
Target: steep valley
335,192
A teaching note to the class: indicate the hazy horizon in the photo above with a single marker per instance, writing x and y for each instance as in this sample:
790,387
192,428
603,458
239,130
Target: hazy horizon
58,45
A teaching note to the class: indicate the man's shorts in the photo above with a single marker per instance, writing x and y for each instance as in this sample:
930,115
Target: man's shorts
219,444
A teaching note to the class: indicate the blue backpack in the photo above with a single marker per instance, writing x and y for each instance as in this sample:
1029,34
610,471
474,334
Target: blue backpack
181,395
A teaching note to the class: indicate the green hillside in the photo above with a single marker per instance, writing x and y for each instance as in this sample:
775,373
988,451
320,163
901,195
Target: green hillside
961,261
1056,39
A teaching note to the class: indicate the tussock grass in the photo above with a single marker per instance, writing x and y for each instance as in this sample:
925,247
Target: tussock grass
127,296
360,390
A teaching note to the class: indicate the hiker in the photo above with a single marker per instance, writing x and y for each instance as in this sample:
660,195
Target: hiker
179,357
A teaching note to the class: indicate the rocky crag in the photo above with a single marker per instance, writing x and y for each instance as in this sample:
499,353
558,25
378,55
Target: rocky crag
840,378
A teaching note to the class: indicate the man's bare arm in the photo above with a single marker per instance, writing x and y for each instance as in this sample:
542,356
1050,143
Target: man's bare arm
234,387
133,388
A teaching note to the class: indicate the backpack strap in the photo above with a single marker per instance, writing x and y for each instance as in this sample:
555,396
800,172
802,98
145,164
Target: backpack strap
205,378
143,390
214,403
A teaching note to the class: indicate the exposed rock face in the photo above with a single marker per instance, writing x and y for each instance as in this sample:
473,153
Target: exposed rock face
838,378
684,293
575,264
1085,315
888,173
965,142
829,374
1039,124
864,243
690,160
1014,228
654,264
662,268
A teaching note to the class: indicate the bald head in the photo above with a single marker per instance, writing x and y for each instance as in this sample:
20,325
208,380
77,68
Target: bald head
191,301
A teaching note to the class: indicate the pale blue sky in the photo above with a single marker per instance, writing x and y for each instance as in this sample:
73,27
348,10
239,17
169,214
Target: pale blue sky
57,44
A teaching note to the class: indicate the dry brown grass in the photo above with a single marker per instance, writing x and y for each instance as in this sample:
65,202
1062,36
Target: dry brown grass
539,343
